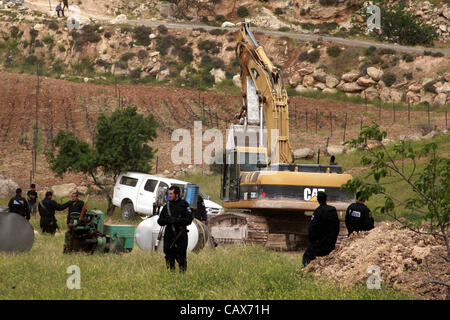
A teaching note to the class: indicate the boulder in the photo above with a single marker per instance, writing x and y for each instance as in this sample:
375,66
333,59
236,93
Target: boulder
39,27
381,85
431,135
427,97
330,90
334,150
385,94
320,86
7,187
63,190
350,76
306,71
375,73
446,13
237,80
440,99
412,97
228,24
319,75
300,88
447,76
331,82
365,82
370,93
218,74
445,88
152,36
352,87
163,74
304,153
413,136
120,19
396,95
308,81
416,87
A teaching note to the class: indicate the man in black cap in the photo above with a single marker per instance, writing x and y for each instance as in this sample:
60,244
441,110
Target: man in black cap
176,215
76,205
32,199
47,208
357,217
323,230
19,205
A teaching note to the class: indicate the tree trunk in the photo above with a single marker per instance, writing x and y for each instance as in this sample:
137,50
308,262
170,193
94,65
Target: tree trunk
111,207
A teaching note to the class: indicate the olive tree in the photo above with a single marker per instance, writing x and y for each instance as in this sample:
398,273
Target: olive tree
120,144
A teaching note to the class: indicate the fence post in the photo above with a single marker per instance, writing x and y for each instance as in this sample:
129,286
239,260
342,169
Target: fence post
317,110
393,107
409,111
446,127
331,123
345,126
428,115
379,112
306,119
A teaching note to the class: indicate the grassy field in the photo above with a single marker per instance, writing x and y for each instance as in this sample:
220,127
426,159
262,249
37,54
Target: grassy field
239,272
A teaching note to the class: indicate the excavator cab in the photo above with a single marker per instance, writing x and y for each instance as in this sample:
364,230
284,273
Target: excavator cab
237,161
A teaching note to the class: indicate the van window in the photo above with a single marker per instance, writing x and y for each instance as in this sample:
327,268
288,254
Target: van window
163,185
132,182
150,185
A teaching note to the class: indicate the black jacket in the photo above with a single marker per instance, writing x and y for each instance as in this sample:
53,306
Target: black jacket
50,207
175,234
323,230
19,205
75,207
357,218
200,213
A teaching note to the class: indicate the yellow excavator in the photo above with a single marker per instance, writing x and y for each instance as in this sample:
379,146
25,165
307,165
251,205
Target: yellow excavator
264,192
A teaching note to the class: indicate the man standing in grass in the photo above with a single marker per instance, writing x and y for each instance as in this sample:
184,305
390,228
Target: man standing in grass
47,208
19,205
323,230
76,205
357,217
176,215
32,199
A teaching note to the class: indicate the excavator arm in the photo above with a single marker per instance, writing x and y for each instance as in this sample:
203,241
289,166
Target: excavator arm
265,100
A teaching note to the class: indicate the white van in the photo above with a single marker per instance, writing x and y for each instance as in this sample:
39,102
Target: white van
135,193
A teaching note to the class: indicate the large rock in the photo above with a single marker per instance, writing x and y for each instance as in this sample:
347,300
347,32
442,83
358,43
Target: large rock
385,94
155,69
237,80
301,88
308,81
396,95
320,75
334,150
39,27
306,71
350,76
331,82
120,19
330,90
365,82
416,87
163,74
64,190
218,74
370,93
228,24
447,76
445,88
352,87
412,97
7,187
320,86
305,153
427,97
375,73
440,99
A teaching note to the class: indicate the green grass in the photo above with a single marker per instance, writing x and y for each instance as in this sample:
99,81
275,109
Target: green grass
238,272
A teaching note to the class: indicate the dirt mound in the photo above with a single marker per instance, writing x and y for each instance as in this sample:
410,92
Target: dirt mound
406,260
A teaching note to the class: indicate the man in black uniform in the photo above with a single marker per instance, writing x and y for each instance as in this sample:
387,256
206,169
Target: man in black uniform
176,215
358,216
47,208
32,199
200,212
323,230
76,205
19,205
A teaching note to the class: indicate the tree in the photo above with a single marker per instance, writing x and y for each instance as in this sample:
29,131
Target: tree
430,186
120,145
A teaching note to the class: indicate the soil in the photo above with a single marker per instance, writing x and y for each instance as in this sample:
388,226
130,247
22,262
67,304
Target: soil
406,260
65,105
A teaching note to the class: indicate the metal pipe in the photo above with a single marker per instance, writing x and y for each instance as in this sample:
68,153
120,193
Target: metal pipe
250,34
261,124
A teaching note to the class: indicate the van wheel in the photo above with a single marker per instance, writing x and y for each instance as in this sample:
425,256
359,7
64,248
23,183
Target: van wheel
128,211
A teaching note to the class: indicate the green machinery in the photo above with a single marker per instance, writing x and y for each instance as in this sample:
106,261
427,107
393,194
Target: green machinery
90,234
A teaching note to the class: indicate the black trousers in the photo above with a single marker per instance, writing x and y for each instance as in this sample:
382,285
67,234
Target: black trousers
180,258
314,251
176,253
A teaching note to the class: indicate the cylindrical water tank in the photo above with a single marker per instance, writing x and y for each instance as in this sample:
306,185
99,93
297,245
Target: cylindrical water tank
16,233
148,230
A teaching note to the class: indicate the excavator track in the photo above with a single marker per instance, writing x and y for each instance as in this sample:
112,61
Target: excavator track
277,231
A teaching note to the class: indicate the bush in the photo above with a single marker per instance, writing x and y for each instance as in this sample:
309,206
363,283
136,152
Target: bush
47,40
220,18
135,74
313,56
284,29
142,54
387,51
389,78
407,57
369,51
107,35
376,59
185,54
328,2
217,32
53,25
278,11
242,12
141,35
208,46
408,75
31,60
127,56
437,54
209,62
334,51
303,56
61,48
162,29
163,43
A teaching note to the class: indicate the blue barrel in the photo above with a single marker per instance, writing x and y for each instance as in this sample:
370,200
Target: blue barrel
191,194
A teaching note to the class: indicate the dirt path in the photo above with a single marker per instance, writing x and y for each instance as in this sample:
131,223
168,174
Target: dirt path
95,12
